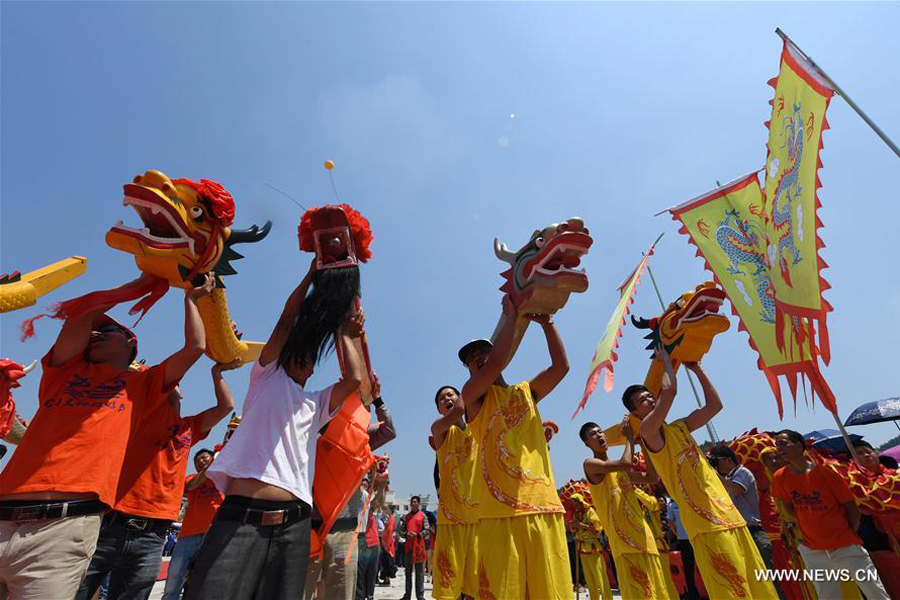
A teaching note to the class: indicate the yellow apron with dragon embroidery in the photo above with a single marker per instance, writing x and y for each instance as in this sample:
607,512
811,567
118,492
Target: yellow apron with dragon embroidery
455,551
513,459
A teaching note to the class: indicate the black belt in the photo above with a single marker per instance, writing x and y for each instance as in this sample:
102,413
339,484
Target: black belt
138,523
19,510
256,516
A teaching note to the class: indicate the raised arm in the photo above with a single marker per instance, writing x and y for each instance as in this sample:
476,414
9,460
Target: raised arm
382,431
75,334
653,422
650,477
550,377
194,335
596,468
353,363
224,400
282,329
478,384
712,404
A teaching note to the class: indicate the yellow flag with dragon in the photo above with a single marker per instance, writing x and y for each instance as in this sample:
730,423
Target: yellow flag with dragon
727,225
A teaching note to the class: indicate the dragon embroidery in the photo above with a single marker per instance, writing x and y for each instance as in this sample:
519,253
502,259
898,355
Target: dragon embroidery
640,579
484,586
787,190
458,455
186,234
445,569
742,243
728,572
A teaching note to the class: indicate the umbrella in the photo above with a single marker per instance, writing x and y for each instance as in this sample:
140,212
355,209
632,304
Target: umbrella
876,412
834,444
821,434
893,453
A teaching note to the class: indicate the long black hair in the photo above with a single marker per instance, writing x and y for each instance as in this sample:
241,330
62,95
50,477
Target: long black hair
323,312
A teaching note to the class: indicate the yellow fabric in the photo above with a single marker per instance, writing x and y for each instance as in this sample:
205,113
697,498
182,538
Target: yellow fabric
517,478
621,515
693,484
641,577
595,576
588,540
651,505
728,228
728,562
457,458
795,131
455,561
523,557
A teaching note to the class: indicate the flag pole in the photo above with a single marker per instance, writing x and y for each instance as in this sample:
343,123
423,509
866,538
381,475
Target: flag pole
842,94
709,428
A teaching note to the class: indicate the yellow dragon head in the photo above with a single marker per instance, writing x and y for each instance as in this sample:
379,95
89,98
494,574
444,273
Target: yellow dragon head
186,229
686,329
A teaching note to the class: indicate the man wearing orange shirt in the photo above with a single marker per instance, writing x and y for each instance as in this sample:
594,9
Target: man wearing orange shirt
203,500
828,519
65,472
149,495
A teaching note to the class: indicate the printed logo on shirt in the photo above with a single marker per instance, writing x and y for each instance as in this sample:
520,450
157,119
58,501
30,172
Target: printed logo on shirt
178,441
80,393
808,502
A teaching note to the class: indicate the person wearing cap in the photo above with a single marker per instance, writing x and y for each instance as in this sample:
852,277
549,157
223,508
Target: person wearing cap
725,552
586,527
148,498
65,473
258,544
457,514
639,568
521,533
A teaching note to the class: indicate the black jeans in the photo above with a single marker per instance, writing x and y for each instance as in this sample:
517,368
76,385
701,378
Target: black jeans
420,579
245,561
129,549
367,569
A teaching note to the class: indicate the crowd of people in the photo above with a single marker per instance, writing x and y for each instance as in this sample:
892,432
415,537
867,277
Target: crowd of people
98,478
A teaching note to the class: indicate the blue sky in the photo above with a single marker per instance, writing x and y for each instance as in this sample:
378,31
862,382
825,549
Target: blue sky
621,110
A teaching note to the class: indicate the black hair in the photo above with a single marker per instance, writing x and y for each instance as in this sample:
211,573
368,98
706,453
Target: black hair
437,394
888,461
416,498
323,312
723,451
863,444
582,433
629,392
792,436
202,451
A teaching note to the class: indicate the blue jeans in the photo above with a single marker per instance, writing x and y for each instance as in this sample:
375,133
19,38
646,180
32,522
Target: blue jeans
185,549
130,556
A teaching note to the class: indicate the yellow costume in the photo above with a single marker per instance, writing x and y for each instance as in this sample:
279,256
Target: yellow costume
725,553
455,553
520,533
638,566
591,551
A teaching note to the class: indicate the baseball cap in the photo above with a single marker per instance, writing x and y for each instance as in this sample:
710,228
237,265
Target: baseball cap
471,346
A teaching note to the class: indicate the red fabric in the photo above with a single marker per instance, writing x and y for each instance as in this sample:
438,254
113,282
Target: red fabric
781,559
77,439
817,498
217,198
10,373
415,544
387,540
359,227
203,502
149,290
371,531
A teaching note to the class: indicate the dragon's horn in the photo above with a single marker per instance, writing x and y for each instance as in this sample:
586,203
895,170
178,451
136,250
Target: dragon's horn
641,323
253,234
30,367
502,252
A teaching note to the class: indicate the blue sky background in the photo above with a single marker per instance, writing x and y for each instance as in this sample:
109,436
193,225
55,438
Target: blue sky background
621,110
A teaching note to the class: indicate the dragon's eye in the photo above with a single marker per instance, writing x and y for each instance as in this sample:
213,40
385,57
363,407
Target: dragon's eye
539,242
679,303
196,213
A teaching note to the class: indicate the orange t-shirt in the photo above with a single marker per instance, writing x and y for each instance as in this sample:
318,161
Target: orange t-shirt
152,481
76,441
203,502
817,497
